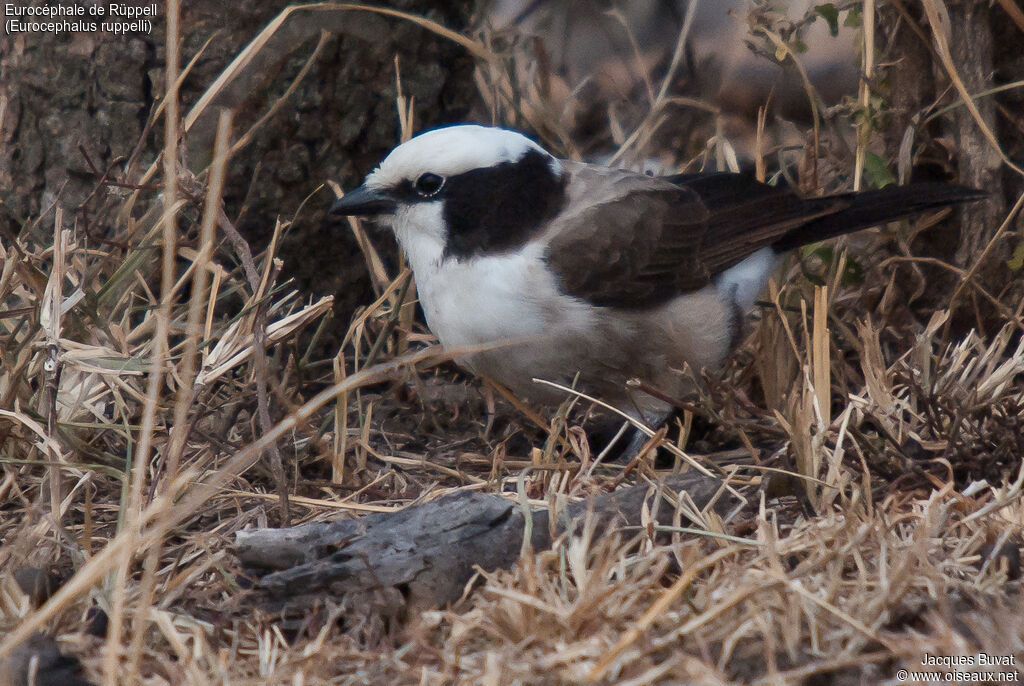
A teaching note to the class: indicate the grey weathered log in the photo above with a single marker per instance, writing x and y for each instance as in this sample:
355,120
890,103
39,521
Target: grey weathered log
428,552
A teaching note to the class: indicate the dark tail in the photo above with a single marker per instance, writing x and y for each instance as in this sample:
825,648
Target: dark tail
874,207
745,215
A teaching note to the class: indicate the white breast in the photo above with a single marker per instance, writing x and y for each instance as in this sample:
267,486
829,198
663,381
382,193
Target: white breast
496,299
512,301
485,299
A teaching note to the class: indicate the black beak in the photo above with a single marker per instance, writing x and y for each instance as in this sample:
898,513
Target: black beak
363,202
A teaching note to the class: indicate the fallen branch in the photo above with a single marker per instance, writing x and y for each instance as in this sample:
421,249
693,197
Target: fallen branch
427,553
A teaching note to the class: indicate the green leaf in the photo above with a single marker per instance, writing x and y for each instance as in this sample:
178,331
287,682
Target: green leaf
878,171
829,12
1017,261
855,18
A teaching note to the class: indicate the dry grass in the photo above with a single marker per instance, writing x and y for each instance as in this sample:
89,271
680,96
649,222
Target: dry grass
142,423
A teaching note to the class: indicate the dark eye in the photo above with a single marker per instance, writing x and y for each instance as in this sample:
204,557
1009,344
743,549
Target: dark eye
429,184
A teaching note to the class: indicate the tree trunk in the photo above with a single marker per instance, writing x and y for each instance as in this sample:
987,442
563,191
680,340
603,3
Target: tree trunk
97,91
979,163
955,144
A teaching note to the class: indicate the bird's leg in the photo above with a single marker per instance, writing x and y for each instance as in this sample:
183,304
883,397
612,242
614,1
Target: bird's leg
638,438
619,440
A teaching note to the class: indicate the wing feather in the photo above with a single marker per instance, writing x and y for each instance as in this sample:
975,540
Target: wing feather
631,241
630,245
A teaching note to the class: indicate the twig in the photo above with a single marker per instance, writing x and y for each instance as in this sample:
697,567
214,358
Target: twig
53,365
262,400
140,467
938,26
669,596
127,544
969,277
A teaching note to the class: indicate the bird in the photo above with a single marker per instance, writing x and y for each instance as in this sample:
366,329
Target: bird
529,267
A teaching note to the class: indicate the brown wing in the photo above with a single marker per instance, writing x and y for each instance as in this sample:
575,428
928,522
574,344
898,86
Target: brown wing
632,244
636,241
745,215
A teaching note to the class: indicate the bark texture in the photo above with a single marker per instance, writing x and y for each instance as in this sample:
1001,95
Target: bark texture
424,555
984,46
97,90
979,163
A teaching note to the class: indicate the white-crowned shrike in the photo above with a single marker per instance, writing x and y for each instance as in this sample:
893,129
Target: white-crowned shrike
565,268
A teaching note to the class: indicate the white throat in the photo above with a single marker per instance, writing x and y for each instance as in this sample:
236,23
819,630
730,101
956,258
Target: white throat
479,299
419,230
